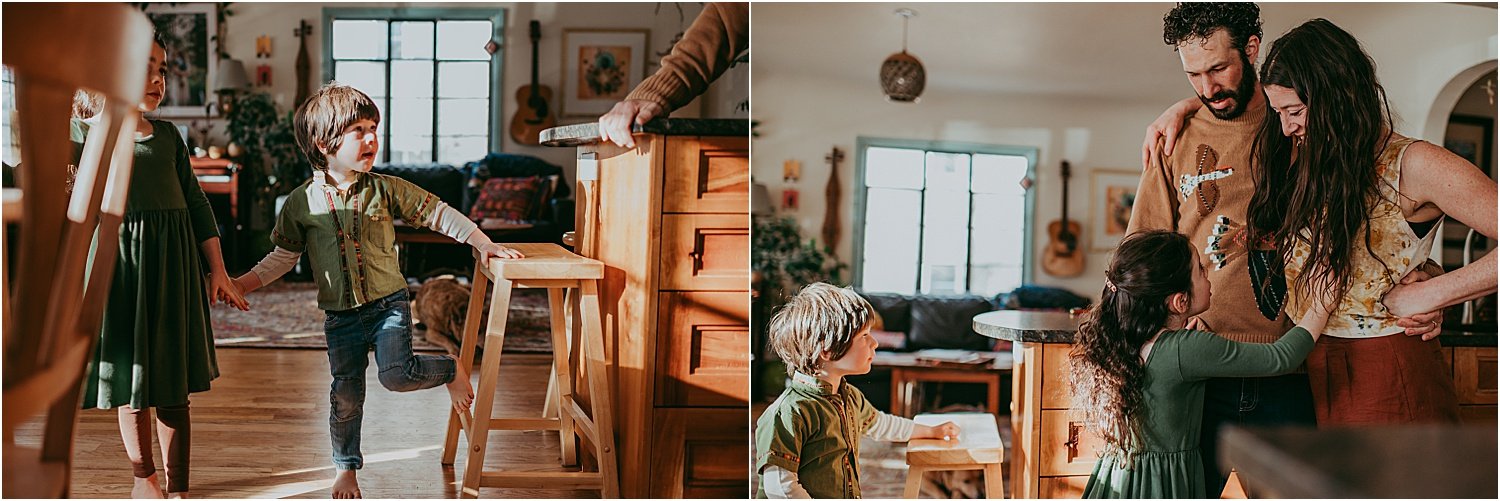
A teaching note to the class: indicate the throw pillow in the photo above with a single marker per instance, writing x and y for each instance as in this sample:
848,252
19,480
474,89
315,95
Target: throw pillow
507,198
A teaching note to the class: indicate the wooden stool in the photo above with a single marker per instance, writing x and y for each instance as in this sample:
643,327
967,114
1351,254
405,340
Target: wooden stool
978,448
545,266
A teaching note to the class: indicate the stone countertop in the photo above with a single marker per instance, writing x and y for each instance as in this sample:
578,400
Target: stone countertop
588,133
1426,461
1027,326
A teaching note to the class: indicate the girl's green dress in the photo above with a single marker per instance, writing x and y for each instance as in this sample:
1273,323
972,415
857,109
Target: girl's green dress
1169,465
156,344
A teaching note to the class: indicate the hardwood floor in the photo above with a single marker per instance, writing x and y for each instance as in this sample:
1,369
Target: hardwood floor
262,432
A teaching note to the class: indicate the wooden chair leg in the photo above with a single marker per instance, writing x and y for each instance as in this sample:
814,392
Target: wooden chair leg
1233,488
993,403
562,378
913,482
598,377
484,401
549,402
994,481
466,359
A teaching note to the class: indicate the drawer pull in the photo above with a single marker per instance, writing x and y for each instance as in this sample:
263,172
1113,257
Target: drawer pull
697,259
1072,443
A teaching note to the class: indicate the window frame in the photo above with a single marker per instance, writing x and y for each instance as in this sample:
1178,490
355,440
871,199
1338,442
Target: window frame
862,144
496,16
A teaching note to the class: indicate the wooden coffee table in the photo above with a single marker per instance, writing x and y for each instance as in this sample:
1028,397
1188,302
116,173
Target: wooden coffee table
907,372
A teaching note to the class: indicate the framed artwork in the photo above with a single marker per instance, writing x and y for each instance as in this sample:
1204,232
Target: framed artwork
192,64
1472,137
1111,197
600,67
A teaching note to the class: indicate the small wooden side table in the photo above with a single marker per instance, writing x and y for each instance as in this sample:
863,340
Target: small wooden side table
978,447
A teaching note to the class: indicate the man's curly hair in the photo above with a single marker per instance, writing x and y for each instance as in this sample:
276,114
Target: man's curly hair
1193,21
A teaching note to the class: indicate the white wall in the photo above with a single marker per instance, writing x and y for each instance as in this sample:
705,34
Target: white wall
278,20
802,118
1419,49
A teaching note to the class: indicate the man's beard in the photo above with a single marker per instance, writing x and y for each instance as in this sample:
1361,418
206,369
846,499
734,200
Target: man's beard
1241,94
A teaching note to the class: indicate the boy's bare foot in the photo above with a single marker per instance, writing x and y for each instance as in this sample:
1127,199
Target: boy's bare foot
345,486
177,495
459,389
146,488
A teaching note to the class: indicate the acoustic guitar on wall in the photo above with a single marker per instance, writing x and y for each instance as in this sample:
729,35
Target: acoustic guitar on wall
534,113
1063,257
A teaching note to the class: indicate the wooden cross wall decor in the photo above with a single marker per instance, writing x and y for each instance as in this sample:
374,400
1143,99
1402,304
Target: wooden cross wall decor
832,195
304,66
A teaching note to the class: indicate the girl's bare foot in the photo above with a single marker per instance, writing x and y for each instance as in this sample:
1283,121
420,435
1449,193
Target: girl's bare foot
146,488
345,486
459,389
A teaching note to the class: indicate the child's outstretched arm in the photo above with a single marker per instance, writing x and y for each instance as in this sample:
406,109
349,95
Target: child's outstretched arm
892,428
455,225
1205,356
269,269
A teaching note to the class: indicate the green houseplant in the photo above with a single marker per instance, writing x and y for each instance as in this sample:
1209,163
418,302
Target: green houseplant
784,262
271,161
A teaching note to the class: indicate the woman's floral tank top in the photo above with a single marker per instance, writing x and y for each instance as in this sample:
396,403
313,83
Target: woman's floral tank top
1396,249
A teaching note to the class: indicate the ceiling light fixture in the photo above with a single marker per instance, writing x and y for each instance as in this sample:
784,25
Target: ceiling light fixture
902,76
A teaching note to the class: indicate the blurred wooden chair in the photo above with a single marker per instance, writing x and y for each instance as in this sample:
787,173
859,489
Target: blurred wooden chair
51,315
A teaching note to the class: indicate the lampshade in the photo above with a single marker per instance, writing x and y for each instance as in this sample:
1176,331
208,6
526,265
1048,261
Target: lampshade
232,75
760,200
901,75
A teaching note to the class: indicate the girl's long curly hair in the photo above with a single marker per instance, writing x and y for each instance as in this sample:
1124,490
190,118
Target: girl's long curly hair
1107,371
1325,184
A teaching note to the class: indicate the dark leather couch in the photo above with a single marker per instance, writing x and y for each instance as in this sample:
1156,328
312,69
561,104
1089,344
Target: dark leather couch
932,321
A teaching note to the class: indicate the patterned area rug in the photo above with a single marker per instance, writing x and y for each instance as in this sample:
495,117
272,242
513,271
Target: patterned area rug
286,315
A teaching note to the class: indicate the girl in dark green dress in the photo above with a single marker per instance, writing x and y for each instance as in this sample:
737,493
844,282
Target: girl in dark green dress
1139,373
156,345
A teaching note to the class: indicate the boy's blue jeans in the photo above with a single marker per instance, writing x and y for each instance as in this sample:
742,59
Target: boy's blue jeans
384,324
1260,401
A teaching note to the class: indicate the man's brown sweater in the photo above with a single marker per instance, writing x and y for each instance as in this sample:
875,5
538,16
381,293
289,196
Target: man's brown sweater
1203,191
719,35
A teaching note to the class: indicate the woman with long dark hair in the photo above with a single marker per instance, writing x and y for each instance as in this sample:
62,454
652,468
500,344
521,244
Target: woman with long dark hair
1138,373
1352,207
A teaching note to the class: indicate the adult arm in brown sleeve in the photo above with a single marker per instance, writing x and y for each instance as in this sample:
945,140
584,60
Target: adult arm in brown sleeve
708,47
1155,199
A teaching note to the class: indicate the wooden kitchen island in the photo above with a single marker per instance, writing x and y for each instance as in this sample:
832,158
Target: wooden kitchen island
670,220
1051,452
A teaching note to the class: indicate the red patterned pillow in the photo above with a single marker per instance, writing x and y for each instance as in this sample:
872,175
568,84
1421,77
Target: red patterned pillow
510,199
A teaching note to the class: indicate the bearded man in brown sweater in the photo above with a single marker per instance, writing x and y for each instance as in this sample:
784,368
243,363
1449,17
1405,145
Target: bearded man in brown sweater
718,37
1201,187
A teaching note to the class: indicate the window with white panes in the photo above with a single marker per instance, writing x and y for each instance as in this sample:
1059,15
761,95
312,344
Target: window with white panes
12,153
431,76
939,218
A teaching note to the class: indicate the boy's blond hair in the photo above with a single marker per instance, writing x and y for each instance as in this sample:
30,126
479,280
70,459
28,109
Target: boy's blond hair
322,119
820,318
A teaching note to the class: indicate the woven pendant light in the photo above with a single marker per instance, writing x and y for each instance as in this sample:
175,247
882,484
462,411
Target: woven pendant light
902,76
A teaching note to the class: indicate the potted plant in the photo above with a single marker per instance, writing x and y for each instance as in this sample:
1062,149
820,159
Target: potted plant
271,162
